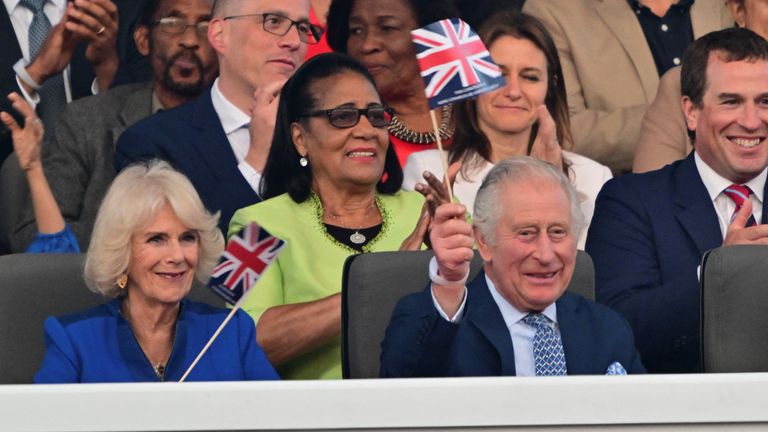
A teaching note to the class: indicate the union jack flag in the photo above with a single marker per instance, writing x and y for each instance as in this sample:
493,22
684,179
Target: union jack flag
454,62
248,254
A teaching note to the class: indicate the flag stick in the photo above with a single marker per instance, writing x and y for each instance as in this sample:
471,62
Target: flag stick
210,341
443,157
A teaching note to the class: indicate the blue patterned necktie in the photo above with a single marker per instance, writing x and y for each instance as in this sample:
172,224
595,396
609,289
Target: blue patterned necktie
52,95
548,354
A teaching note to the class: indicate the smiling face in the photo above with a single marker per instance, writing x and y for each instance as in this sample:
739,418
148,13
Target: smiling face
344,157
380,38
533,255
163,260
512,108
251,56
731,125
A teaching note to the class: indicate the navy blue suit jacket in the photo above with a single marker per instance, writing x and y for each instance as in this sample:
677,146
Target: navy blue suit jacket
647,237
420,343
190,138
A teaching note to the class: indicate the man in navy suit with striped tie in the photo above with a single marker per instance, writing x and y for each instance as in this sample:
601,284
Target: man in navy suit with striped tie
650,231
515,317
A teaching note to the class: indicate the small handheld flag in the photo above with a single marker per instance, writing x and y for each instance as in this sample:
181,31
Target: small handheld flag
454,62
245,259
247,256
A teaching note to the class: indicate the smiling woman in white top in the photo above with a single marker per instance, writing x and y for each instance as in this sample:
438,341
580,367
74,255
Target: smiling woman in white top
528,116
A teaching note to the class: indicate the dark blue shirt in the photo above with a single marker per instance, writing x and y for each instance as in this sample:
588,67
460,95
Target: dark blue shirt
667,36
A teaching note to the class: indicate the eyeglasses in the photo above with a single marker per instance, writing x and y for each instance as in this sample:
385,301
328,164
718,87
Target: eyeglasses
343,118
280,25
177,26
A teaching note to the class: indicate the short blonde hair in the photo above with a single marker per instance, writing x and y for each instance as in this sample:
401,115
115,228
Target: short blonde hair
133,200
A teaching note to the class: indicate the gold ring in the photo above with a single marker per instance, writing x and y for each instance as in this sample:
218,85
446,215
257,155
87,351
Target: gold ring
101,30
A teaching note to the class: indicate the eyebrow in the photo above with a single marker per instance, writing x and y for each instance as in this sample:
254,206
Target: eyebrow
282,13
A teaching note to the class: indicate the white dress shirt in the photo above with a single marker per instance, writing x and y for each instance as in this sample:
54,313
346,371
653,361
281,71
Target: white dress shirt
521,333
235,124
724,206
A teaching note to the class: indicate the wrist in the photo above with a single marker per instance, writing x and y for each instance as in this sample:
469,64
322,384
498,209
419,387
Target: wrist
436,278
32,81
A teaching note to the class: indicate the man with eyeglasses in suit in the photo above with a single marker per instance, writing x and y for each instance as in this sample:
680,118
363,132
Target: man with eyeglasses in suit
221,140
78,159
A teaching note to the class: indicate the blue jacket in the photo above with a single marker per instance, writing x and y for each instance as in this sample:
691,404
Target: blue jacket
98,345
190,138
647,237
420,343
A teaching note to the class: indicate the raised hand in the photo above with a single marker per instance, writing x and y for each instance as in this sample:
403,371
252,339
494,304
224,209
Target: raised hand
262,127
739,233
96,21
27,141
56,52
452,242
545,146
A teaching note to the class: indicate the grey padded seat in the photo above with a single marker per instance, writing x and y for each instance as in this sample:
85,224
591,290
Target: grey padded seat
34,287
374,282
734,309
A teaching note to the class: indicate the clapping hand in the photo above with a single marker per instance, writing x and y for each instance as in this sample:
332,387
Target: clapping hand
546,147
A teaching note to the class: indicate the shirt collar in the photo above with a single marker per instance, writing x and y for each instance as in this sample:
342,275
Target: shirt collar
716,184
510,313
10,5
230,116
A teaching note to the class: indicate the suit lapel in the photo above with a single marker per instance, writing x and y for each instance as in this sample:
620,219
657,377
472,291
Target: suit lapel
578,344
696,213
764,218
484,314
706,17
211,142
136,106
621,20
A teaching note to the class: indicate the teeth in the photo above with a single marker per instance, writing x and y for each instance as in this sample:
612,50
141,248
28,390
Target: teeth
360,154
746,142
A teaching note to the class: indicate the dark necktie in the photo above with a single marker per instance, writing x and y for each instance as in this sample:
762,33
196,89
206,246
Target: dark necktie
739,193
52,95
548,354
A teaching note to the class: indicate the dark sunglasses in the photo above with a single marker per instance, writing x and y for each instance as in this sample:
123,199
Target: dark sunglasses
347,117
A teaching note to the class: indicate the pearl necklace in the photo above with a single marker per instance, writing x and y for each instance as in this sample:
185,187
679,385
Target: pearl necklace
400,131
356,237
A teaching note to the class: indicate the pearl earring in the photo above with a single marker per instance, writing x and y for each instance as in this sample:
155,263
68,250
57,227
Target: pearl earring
303,161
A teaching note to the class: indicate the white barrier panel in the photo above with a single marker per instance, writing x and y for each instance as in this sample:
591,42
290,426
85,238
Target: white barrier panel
725,400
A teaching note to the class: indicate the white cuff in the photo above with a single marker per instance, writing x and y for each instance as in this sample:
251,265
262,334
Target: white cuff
20,67
459,312
252,176
437,279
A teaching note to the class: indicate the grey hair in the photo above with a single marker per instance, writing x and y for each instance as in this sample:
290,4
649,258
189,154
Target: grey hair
133,200
513,170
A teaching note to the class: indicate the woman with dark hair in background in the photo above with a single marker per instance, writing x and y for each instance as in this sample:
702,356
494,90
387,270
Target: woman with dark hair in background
528,116
332,189
378,34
